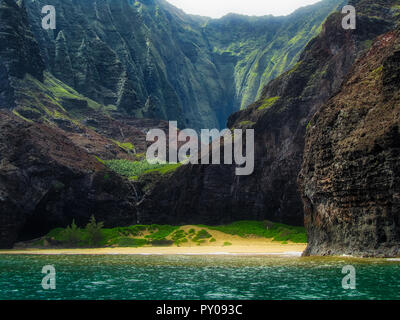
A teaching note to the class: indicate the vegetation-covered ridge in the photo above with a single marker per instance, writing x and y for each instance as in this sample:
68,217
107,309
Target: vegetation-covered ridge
94,235
151,60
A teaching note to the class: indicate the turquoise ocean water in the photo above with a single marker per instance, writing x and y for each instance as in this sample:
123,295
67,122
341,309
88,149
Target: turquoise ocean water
196,277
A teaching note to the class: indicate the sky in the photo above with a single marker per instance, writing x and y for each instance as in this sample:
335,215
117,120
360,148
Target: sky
219,8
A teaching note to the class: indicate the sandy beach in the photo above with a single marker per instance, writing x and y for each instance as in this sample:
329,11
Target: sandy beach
272,248
251,245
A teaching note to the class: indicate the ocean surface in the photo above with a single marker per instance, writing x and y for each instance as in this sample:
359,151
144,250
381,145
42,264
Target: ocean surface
196,277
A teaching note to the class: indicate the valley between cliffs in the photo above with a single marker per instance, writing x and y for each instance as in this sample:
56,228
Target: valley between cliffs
77,102
77,97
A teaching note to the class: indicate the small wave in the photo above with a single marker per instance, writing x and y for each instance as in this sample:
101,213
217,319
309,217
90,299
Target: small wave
294,253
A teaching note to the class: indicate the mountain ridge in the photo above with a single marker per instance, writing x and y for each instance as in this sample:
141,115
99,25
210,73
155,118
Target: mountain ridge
162,63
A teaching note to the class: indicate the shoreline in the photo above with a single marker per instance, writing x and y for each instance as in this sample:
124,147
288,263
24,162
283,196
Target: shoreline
270,249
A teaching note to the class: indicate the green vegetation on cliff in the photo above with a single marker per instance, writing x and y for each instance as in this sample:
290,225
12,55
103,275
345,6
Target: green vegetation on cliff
133,169
127,146
267,103
51,100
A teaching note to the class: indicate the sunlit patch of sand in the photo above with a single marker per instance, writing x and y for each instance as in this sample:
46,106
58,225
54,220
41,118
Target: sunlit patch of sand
223,244
256,249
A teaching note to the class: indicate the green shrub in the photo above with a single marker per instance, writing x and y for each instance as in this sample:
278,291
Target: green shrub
226,243
72,235
202,234
133,231
94,235
265,229
162,242
94,232
129,242
161,231
179,236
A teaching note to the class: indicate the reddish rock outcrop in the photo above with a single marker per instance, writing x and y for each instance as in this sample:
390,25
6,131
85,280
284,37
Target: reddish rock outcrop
350,177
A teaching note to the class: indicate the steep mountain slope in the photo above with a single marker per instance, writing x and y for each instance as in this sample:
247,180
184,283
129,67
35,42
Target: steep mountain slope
19,52
265,47
50,136
350,178
150,59
46,180
280,117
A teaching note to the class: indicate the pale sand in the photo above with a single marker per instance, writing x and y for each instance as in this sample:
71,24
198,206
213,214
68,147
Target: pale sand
270,249
241,246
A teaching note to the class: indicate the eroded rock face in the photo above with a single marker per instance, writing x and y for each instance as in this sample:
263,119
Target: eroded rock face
350,177
46,181
53,141
151,60
280,119
19,51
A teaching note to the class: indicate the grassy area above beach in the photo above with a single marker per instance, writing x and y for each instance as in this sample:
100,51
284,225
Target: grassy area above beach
241,233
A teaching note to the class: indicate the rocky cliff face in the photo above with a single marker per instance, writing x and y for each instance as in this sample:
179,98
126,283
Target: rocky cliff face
350,175
280,119
49,173
149,59
46,180
19,52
